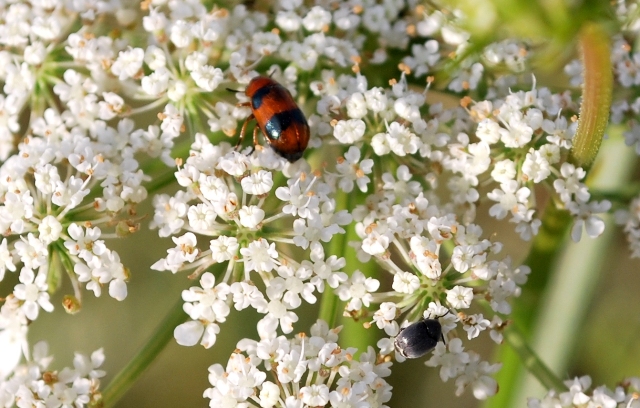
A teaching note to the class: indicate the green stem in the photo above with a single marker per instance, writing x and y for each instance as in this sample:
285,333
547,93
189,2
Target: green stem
596,94
329,302
161,181
530,359
546,246
121,383
354,333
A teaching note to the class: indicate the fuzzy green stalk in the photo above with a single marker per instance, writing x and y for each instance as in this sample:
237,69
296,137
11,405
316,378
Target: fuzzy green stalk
595,52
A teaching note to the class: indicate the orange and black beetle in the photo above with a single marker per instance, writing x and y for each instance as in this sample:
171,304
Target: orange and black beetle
279,118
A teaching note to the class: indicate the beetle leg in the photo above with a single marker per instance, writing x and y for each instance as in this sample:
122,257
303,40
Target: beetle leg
255,136
244,126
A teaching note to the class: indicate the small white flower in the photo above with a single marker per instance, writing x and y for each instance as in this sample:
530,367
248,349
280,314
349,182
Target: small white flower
315,395
451,362
171,120
49,229
269,395
504,171
401,140
112,106
156,83
288,21
520,133
460,297
385,318
351,169
224,248
426,256
85,242
405,282
128,63
265,43
316,19
260,256
357,290
32,292
327,271
375,243
535,166
349,131
32,251
180,33
474,324
259,183
208,78
278,313
251,216
488,131
510,198
380,144
185,251
584,214
356,108
569,185
477,374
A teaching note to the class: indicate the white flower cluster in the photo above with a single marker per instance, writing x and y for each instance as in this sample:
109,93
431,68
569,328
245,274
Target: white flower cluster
307,370
517,122
33,384
64,183
256,230
580,394
625,110
228,201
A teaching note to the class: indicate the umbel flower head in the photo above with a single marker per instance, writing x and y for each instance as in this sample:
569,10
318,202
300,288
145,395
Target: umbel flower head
305,370
34,384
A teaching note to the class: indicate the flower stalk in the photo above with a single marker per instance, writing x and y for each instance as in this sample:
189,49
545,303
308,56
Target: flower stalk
148,353
597,88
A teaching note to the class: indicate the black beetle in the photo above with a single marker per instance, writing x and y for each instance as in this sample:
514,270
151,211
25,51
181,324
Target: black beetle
419,338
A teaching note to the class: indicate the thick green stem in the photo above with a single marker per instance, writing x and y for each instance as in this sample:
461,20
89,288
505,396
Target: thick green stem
546,246
354,334
121,383
530,360
596,94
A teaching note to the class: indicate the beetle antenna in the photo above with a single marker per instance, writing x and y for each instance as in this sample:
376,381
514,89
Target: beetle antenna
232,90
448,311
